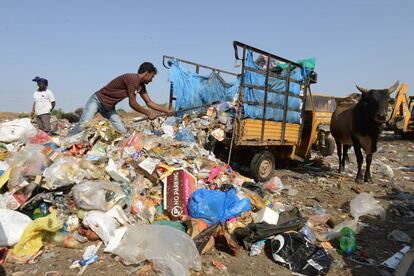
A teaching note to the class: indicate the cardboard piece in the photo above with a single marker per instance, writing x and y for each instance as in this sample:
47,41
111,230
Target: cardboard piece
178,188
16,200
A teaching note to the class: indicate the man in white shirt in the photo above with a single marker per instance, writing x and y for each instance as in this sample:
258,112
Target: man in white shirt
44,102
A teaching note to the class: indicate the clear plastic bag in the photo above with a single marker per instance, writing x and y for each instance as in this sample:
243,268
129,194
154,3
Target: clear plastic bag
63,172
365,204
172,251
30,161
274,185
97,195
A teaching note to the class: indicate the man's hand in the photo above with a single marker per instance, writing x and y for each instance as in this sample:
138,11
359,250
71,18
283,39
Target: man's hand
170,112
32,115
151,115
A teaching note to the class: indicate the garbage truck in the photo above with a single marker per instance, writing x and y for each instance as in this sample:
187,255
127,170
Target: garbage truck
267,121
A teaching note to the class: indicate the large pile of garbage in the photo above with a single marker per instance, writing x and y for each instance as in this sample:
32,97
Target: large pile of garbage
155,195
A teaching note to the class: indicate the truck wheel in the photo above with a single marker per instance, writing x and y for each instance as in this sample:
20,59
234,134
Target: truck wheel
329,147
262,166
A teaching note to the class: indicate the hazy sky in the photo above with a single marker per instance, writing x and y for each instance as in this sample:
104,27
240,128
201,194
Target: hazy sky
79,46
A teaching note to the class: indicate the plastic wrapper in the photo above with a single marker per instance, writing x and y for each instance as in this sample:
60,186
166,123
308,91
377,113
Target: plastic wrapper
172,251
97,195
12,225
365,204
63,172
216,206
16,130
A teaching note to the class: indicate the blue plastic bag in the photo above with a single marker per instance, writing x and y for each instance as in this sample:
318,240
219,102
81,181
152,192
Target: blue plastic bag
216,206
184,135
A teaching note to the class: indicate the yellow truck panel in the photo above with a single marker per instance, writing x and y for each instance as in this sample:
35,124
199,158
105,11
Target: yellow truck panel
251,131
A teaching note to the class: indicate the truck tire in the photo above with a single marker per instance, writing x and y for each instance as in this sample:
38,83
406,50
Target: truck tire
329,147
262,166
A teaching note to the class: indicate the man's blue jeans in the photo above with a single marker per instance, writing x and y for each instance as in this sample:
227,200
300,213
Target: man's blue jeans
94,106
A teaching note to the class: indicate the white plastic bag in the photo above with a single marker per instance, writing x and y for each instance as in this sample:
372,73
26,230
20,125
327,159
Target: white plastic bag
16,130
97,195
334,233
172,251
12,225
365,204
105,224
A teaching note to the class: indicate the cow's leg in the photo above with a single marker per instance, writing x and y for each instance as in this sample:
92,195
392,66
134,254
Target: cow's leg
339,151
345,154
345,157
367,177
360,160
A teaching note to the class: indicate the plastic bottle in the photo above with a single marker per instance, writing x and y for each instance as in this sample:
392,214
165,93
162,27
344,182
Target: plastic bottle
347,241
62,239
308,232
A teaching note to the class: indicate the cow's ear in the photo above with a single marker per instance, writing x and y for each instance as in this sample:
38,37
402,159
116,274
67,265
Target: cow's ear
364,91
394,87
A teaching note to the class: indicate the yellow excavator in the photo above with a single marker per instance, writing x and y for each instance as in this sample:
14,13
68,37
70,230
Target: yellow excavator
401,118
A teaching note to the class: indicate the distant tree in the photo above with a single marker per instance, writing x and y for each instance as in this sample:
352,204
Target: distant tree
58,113
21,115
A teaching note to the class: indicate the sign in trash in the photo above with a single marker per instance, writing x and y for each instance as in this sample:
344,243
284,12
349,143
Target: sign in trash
178,188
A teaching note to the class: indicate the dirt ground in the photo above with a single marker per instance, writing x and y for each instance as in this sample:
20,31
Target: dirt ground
319,186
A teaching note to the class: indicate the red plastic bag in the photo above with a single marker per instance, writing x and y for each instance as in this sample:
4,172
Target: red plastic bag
40,137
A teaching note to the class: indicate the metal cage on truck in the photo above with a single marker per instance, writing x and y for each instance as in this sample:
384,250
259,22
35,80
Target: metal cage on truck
259,140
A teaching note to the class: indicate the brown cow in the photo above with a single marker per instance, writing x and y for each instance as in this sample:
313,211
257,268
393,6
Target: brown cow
359,125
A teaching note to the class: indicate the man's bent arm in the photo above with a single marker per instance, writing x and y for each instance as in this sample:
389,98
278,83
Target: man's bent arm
135,106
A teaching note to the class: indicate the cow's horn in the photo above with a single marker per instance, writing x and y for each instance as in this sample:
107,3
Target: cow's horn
363,90
394,87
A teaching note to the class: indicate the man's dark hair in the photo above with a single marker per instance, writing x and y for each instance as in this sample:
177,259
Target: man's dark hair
147,67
